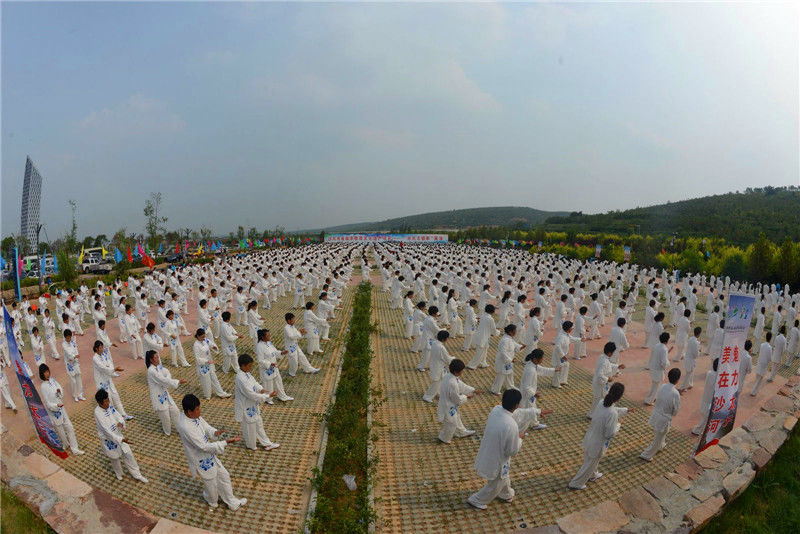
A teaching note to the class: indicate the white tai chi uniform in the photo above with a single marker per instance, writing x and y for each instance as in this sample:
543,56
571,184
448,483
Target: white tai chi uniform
486,329
503,365
267,357
247,410
658,367
201,453
604,426
452,394
668,402
439,362
160,381
104,373
500,442
291,336
604,370
764,357
52,396
108,423
206,371
73,367
706,400
228,337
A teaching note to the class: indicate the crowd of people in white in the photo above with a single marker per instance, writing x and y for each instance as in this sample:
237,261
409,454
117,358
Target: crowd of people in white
443,292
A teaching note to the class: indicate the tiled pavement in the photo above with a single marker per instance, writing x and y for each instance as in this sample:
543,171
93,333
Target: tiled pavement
422,484
276,483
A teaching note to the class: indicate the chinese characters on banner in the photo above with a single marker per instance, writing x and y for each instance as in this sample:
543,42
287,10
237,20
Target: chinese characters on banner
374,238
39,415
722,412
627,253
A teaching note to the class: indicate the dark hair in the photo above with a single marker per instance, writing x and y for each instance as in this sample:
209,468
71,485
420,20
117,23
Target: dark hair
535,354
614,394
768,336
748,345
674,375
189,402
456,366
697,330
226,316
609,348
433,310
97,343
510,329
309,305
511,399
67,332
715,364
100,396
288,317
621,322
489,308
566,325
244,359
261,333
199,333
442,335
664,337
148,357
42,368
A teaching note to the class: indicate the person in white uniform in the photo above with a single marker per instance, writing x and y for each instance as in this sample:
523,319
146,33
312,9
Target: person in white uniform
104,373
53,399
249,396
453,393
707,398
114,445
201,450
291,337
267,356
70,348
668,402
500,442
439,362
159,382
206,370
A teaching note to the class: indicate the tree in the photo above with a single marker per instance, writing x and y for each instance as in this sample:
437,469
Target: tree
786,263
7,245
72,238
67,267
88,241
120,237
100,240
759,258
154,224
240,233
252,234
205,233
43,247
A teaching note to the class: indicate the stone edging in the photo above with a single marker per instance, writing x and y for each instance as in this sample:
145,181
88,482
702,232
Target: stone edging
685,499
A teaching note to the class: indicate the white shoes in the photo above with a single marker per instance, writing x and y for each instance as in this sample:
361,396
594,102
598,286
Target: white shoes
272,446
78,452
238,505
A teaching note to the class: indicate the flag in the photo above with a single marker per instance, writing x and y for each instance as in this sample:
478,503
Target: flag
118,257
39,416
43,263
148,261
160,247
80,258
200,249
28,264
103,249
2,262
177,248
55,264
130,258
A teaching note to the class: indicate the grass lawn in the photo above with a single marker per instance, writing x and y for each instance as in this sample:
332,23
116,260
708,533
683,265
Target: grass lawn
772,502
17,518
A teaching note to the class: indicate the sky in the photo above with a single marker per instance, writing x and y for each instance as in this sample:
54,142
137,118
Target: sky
311,115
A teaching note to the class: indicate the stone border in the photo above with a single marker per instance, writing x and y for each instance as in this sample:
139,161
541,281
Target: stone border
685,499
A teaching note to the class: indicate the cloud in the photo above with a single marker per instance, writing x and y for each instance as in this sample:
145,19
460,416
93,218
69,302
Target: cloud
137,117
382,137
647,135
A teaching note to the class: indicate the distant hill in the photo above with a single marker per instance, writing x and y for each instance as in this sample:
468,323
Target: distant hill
738,217
455,219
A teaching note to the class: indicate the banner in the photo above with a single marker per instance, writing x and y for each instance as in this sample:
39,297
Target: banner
38,413
374,238
627,253
597,251
722,412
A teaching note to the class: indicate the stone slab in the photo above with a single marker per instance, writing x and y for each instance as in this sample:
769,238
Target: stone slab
790,423
640,504
761,458
712,457
708,485
67,485
759,421
689,469
778,403
604,517
166,526
39,466
738,439
701,514
682,482
661,488
736,482
773,441
66,520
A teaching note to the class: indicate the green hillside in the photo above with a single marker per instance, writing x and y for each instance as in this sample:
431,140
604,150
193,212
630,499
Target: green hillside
738,217
454,219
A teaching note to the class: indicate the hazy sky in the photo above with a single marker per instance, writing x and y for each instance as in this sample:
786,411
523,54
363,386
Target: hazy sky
307,115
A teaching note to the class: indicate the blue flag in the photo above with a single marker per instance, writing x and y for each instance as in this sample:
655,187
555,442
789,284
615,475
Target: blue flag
2,262
117,255
39,415
43,263
160,247
55,264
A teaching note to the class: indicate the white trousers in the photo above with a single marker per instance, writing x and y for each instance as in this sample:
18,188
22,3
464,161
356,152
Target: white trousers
500,380
66,433
229,360
9,402
253,431
453,428
209,382
658,443
479,360
77,385
499,487
561,377
130,465
274,384
298,357
587,471
136,345
432,390
469,335
177,354
165,415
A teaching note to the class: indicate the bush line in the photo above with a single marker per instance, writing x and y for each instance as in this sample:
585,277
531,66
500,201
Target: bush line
338,509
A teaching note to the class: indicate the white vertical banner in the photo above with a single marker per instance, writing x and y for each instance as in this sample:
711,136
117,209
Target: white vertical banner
722,412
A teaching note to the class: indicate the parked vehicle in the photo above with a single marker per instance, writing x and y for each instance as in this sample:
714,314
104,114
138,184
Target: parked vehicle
95,264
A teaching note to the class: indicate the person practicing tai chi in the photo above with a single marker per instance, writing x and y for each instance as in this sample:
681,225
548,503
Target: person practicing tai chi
504,360
658,366
159,382
530,384
439,362
707,398
267,357
53,399
206,370
250,395
604,371
604,426
501,441
70,348
291,337
690,359
110,425
452,394
104,373
668,402
198,438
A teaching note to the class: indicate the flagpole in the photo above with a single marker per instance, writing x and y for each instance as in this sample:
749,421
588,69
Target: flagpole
16,277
